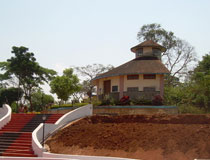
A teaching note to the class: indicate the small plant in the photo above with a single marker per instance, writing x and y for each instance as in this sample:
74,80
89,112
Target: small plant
157,100
106,100
125,100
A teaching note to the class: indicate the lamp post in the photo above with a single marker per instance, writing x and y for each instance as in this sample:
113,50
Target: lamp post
43,118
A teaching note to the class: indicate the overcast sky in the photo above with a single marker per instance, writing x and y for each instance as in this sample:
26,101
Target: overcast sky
65,33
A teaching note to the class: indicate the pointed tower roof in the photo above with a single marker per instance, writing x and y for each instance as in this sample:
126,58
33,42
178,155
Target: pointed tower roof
148,43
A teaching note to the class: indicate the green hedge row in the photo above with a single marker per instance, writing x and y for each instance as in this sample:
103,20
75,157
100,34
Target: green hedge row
68,105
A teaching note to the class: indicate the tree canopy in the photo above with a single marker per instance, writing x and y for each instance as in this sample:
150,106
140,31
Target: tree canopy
179,54
40,100
26,70
64,86
9,95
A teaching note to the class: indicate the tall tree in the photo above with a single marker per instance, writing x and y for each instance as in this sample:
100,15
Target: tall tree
179,55
28,72
90,72
204,65
64,86
199,84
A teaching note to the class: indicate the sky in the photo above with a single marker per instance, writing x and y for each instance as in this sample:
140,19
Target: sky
67,33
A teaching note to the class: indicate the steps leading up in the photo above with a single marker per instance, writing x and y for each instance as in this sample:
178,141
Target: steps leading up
16,136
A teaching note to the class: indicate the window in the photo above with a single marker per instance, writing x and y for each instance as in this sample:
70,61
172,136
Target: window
114,88
149,76
133,89
132,77
156,52
139,52
149,89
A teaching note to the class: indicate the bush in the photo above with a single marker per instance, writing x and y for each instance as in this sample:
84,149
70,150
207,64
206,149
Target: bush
183,109
68,105
157,100
140,101
96,103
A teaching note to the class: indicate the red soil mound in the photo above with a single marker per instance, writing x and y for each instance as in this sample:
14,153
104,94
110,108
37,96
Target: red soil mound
141,137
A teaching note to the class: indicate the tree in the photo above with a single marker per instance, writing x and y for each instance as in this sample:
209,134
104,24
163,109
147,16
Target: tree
64,86
26,70
204,65
90,72
200,83
179,54
9,95
40,100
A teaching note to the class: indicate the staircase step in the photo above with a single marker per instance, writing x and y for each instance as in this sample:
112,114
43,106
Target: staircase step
16,144
18,155
25,151
15,147
16,136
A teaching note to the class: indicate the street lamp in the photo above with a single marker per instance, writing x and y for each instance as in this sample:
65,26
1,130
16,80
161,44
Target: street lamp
43,118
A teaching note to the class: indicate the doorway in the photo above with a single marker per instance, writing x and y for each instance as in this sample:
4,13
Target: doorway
107,87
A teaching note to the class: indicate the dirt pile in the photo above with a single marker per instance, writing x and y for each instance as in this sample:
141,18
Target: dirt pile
141,137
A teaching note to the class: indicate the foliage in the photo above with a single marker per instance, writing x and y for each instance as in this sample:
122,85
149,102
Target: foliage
179,54
96,103
174,95
64,86
90,72
41,101
9,95
26,70
157,100
204,65
68,105
190,109
141,101
14,107
200,84
193,96
108,100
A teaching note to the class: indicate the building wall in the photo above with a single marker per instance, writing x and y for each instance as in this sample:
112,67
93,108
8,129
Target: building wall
114,82
147,49
140,83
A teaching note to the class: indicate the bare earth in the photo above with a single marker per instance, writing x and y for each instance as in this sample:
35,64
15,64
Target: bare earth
146,137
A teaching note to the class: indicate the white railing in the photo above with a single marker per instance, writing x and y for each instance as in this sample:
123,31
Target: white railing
37,134
5,115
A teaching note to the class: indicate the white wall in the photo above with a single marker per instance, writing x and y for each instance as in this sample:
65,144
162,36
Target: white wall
5,115
50,128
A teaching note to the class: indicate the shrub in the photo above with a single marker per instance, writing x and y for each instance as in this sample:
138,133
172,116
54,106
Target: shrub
68,105
141,101
183,109
157,100
96,103
125,100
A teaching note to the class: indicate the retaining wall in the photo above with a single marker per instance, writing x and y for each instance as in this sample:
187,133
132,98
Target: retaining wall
133,111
